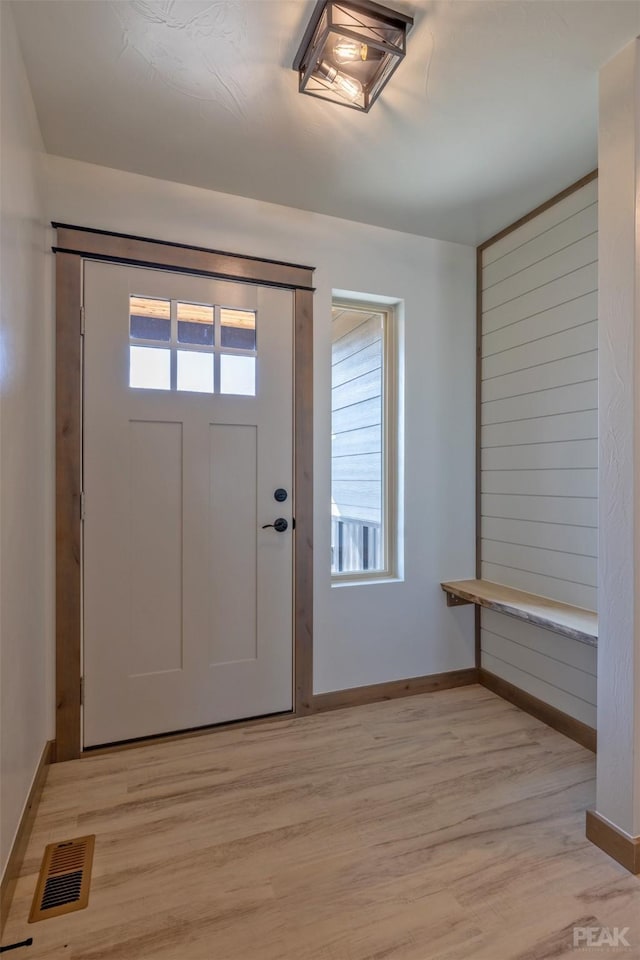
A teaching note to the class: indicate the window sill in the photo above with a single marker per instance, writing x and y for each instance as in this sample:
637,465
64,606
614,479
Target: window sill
365,581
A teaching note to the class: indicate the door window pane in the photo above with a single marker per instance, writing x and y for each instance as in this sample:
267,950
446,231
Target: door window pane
149,318
195,371
149,368
238,328
210,349
238,375
195,324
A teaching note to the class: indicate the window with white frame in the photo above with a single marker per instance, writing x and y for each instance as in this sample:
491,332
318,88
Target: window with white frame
191,347
362,455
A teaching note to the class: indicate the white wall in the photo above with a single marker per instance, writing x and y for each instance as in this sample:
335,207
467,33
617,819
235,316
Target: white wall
26,444
539,443
618,791
368,633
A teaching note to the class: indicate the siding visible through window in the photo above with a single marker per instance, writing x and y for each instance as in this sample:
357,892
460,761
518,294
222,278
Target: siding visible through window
359,515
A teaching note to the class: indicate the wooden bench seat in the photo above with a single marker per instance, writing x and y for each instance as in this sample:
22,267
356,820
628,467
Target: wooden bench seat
562,618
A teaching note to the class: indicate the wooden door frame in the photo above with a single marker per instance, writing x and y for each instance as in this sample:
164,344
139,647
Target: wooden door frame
74,246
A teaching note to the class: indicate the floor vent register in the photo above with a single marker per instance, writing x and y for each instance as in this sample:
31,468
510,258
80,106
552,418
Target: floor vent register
64,879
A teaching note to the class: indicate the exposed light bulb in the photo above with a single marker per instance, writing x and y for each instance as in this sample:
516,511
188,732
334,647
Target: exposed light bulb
348,87
347,50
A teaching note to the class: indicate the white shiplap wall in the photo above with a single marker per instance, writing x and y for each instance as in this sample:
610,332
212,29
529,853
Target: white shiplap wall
539,443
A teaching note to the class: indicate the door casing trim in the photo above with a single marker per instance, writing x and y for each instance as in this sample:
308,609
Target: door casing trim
75,245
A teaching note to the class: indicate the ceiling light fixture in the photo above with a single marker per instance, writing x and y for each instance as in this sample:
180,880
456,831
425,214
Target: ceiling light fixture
350,50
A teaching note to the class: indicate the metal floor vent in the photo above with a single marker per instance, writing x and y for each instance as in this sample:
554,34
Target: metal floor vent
64,880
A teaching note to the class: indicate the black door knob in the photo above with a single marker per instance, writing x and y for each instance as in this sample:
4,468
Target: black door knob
279,525
280,495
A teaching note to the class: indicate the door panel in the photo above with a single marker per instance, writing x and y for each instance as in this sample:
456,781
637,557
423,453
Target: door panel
233,466
187,600
155,469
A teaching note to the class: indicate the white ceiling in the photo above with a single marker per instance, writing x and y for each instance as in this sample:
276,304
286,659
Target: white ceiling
493,110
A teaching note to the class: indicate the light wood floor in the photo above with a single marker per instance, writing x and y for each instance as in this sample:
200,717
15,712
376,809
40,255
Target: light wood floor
448,826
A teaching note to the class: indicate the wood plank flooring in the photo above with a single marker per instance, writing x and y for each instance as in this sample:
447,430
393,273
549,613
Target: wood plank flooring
447,826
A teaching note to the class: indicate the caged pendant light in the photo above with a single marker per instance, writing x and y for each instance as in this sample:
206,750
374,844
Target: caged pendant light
350,50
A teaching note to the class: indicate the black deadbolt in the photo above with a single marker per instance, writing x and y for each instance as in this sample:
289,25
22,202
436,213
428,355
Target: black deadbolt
279,525
280,495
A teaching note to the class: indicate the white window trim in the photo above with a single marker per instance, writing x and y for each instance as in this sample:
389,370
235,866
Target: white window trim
389,429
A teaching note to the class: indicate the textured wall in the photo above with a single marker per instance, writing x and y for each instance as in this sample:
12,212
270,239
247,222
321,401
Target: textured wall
618,796
26,437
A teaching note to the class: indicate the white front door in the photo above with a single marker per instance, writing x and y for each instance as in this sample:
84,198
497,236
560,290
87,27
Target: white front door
188,427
